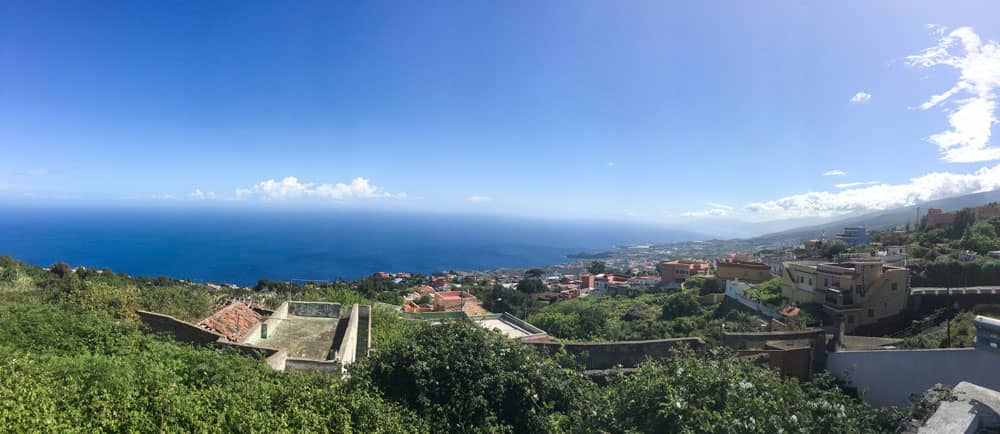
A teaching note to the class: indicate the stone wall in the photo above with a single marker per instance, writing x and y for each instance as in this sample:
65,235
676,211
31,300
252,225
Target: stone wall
627,354
314,309
889,377
180,330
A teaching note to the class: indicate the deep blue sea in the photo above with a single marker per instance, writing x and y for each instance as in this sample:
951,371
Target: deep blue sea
243,246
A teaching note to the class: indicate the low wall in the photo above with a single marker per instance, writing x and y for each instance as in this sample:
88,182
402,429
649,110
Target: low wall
889,377
247,350
181,330
277,360
628,354
314,309
324,366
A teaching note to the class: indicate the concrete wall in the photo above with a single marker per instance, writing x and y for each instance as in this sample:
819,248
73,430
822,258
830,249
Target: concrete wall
890,376
315,309
271,323
364,331
181,330
348,347
628,354
324,366
277,360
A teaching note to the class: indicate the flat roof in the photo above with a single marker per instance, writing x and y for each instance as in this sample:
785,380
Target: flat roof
508,329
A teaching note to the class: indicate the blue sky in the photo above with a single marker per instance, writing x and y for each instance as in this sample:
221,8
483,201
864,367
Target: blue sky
648,111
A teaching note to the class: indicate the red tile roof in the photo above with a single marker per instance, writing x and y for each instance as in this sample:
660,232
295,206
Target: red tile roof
234,321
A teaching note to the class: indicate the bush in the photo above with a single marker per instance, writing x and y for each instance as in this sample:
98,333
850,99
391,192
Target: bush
463,378
721,393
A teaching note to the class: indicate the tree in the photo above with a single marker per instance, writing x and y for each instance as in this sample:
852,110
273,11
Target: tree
597,267
534,273
61,270
531,286
680,305
831,249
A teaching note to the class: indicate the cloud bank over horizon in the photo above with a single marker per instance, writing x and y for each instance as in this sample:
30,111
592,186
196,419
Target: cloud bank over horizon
290,188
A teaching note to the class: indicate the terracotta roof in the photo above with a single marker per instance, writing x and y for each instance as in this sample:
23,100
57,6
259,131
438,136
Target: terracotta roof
233,321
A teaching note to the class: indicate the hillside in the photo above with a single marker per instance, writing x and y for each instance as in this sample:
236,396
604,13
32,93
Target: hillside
878,220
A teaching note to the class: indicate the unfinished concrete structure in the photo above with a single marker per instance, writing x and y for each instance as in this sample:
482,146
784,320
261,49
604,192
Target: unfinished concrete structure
298,335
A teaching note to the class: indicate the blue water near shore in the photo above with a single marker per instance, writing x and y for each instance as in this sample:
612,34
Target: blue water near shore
243,246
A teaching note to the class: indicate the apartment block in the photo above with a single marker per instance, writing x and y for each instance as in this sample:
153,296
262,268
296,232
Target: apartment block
862,292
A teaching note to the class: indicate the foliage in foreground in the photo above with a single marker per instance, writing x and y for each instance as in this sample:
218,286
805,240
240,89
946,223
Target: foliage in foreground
720,393
465,379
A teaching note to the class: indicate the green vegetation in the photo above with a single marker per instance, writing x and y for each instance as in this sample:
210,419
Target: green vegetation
962,330
648,316
720,393
768,292
74,358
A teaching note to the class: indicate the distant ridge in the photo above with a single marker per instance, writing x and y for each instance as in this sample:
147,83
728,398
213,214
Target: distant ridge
879,220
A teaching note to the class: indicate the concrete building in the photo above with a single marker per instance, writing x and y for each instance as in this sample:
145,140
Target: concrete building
862,292
680,269
746,271
854,236
587,281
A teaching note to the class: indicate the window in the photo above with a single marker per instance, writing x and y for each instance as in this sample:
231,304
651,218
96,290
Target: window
826,282
810,281
850,319
871,313
895,286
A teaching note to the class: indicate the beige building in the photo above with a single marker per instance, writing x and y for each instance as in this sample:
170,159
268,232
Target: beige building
745,271
863,292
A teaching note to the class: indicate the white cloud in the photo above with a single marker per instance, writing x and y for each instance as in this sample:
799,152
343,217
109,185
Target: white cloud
968,139
162,197
854,184
611,164
931,186
718,205
291,188
200,195
861,98
711,212
478,199
834,172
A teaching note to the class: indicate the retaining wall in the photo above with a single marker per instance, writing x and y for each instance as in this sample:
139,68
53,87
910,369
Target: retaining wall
628,354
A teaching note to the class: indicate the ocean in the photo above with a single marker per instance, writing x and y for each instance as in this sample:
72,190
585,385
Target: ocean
244,245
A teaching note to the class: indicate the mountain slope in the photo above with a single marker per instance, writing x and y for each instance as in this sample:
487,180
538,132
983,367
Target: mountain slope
881,219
